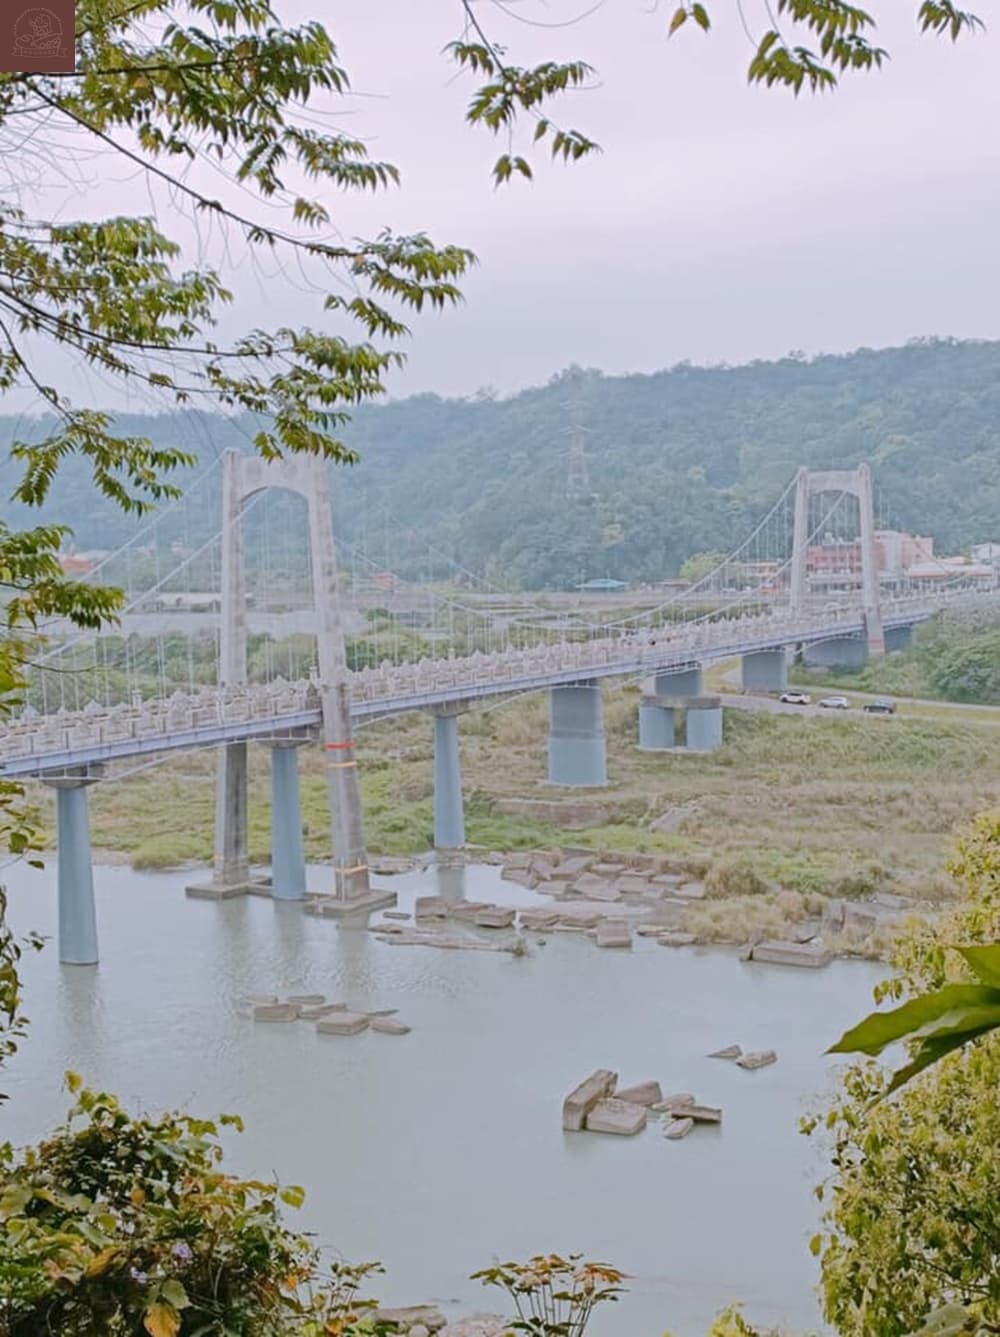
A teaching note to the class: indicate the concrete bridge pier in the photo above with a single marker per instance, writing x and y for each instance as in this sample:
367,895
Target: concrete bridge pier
703,724
449,813
77,916
657,712
230,863
288,860
657,730
764,670
577,746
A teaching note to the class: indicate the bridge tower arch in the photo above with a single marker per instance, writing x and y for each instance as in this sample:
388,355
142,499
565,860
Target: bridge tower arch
306,475
855,483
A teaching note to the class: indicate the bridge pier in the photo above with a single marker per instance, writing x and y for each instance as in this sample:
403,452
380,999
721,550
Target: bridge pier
449,813
657,730
230,861
764,670
577,746
658,712
77,915
703,724
842,652
288,860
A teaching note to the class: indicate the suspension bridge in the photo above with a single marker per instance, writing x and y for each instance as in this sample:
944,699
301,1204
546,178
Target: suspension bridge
93,709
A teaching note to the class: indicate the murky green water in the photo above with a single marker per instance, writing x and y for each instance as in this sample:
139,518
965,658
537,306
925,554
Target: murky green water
442,1150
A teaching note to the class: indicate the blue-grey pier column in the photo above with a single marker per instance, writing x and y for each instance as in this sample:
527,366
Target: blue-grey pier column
288,859
764,670
449,813
577,747
657,712
898,638
77,916
703,724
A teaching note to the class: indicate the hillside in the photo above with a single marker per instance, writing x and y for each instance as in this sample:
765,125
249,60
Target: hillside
680,461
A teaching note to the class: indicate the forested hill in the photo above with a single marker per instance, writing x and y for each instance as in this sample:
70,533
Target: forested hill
678,462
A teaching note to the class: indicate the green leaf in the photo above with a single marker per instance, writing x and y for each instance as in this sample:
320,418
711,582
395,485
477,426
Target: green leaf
930,1052
700,15
174,1293
946,1011
678,20
292,1195
984,962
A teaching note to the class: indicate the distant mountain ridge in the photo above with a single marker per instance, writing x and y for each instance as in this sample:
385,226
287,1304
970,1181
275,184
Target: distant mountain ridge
680,461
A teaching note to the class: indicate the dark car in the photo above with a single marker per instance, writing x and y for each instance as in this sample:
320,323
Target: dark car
880,706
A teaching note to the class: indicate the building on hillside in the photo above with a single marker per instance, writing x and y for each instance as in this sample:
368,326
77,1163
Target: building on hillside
938,572
79,563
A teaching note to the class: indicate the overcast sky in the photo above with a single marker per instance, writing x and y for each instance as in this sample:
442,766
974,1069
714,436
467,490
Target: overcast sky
720,223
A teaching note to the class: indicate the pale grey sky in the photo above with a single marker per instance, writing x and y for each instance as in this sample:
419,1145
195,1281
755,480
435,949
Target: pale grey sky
721,222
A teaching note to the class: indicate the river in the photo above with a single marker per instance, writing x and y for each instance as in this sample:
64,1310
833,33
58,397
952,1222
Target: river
441,1151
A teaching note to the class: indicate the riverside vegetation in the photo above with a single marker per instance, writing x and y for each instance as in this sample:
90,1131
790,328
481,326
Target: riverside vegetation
791,809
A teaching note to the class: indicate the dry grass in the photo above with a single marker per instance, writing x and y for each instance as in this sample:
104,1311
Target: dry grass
834,806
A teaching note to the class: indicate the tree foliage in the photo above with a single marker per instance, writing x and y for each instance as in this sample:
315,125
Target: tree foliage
913,1215
126,1225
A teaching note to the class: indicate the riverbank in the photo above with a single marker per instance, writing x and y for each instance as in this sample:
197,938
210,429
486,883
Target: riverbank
836,806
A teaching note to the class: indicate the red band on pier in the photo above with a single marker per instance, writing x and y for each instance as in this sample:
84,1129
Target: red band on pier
332,747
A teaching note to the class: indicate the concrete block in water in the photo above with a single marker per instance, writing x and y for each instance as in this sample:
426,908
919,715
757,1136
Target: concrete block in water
430,907
307,999
275,1012
679,1100
699,1113
389,1026
613,933
678,1128
616,1116
673,939
495,916
343,1023
631,884
324,1010
731,1052
791,954
759,1059
643,1093
582,1099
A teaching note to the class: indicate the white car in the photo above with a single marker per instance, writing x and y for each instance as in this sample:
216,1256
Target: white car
795,698
835,703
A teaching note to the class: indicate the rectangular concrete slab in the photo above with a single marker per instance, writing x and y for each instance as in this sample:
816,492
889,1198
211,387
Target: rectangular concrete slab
582,1099
495,916
791,954
730,1051
701,1113
677,1101
613,933
616,1116
642,1093
275,1012
343,1023
675,1129
671,938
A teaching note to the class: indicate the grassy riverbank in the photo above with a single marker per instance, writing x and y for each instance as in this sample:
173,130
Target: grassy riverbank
839,805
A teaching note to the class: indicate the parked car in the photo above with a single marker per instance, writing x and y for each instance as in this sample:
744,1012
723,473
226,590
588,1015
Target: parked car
835,703
880,706
796,698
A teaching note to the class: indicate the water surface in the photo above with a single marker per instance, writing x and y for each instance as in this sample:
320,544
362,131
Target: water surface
441,1151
